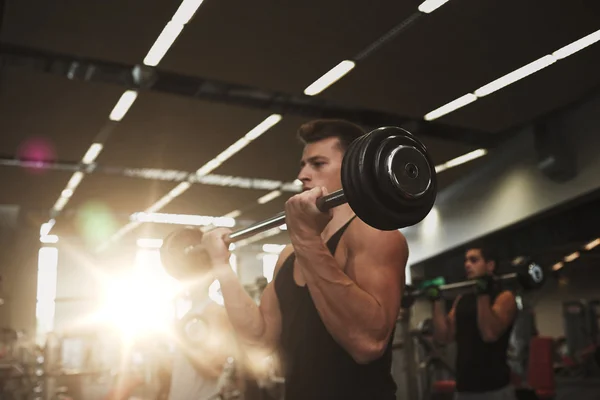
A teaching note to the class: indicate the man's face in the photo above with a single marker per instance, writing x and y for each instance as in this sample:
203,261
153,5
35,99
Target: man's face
476,265
321,165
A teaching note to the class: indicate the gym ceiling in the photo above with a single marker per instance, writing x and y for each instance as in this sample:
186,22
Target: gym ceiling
270,48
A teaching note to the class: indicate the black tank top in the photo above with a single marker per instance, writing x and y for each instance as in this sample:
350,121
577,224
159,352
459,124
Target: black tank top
315,366
480,366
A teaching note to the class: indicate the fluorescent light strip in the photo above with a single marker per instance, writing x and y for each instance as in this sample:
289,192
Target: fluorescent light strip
461,160
49,239
264,126
592,244
46,227
233,214
123,105
67,193
572,257
334,74
450,107
60,203
268,197
92,153
186,11
558,266
514,76
179,189
429,6
75,180
162,44
577,45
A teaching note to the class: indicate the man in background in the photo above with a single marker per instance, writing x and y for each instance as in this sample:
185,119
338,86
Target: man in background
480,323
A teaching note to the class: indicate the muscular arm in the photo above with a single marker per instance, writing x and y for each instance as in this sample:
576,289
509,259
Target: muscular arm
359,311
256,325
494,320
444,326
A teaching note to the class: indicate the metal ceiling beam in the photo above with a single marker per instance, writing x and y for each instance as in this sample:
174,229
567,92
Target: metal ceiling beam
141,77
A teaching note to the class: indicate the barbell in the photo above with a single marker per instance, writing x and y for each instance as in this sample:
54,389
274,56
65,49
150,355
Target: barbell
388,179
528,274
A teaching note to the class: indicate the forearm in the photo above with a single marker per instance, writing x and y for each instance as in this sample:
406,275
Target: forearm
243,312
489,324
352,316
440,322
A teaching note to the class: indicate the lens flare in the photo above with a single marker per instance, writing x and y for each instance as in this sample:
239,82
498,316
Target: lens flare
36,150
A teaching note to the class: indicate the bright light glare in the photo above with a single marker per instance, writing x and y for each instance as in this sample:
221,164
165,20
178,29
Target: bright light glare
141,301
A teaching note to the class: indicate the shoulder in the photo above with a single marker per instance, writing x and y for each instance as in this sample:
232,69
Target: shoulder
363,237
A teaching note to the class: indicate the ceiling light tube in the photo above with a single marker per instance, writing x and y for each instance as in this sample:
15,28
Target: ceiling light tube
60,203
75,180
179,189
264,126
466,158
332,76
558,266
452,106
269,196
516,75
572,257
46,227
186,11
577,45
592,244
233,149
429,6
92,153
233,214
49,239
123,105
162,44
208,167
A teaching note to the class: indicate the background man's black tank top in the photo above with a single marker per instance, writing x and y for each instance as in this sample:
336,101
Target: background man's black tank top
480,366
315,365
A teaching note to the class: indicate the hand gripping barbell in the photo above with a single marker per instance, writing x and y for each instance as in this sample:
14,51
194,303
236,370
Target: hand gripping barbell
388,179
528,274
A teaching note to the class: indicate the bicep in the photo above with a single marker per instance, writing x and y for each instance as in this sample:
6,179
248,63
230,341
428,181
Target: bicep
377,267
505,308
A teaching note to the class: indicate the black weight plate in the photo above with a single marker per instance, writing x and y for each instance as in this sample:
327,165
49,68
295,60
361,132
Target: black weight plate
176,262
387,213
365,199
406,176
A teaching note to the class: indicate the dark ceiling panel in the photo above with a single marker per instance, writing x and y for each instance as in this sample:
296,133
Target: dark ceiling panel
122,195
34,190
116,30
273,45
557,85
460,47
54,113
166,131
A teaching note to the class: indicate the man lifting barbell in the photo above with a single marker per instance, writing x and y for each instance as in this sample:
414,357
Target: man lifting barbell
480,322
332,305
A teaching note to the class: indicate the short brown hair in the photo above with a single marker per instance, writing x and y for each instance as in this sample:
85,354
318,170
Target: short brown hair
316,130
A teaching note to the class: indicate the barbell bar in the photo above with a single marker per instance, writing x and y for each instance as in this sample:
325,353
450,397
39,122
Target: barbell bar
388,179
529,275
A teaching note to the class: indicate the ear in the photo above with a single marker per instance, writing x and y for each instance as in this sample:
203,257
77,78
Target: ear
491,266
